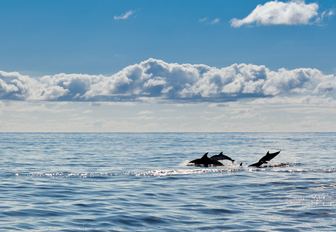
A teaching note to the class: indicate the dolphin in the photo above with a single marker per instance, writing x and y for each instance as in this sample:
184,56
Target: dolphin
221,156
268,157
205,161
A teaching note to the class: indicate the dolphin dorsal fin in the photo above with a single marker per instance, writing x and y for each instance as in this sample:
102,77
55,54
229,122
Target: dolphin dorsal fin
205,155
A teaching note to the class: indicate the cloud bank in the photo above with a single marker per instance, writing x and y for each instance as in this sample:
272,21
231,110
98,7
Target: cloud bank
283,13
157,80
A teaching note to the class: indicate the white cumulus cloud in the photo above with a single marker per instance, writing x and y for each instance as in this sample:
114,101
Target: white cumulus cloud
283,13
156,80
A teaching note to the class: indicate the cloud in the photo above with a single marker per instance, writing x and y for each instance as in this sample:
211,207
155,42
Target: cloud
124,16
15,86
215,21
155,80
283,13
324,15
210,21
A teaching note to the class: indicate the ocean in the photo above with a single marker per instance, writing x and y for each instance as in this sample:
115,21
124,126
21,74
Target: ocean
140,182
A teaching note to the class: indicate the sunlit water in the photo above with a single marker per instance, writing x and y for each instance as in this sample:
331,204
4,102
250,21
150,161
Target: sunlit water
140,182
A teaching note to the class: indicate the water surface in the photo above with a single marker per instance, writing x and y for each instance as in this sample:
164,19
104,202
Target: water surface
140,182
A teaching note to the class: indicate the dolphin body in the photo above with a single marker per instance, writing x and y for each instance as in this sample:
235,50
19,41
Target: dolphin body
268,157
205,161
221,156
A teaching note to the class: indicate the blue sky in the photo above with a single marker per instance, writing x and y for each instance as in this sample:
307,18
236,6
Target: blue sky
47,37
178,65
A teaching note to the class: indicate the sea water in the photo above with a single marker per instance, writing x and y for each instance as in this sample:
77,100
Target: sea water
140,182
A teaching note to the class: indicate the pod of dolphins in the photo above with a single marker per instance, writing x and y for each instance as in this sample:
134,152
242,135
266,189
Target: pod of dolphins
213,161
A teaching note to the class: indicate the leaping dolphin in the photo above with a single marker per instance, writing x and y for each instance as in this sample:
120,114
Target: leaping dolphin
268,157
221,156
205,161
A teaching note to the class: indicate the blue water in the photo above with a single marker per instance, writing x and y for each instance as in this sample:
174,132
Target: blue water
140,182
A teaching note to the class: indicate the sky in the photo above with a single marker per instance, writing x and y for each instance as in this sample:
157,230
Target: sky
166,66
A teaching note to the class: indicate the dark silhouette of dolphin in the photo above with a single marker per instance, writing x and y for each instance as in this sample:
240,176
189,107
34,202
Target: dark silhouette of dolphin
221,156
268,157
205,161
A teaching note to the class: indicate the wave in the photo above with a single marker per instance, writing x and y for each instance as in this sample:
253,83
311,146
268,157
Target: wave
321,170
70,174
281,167
174,172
